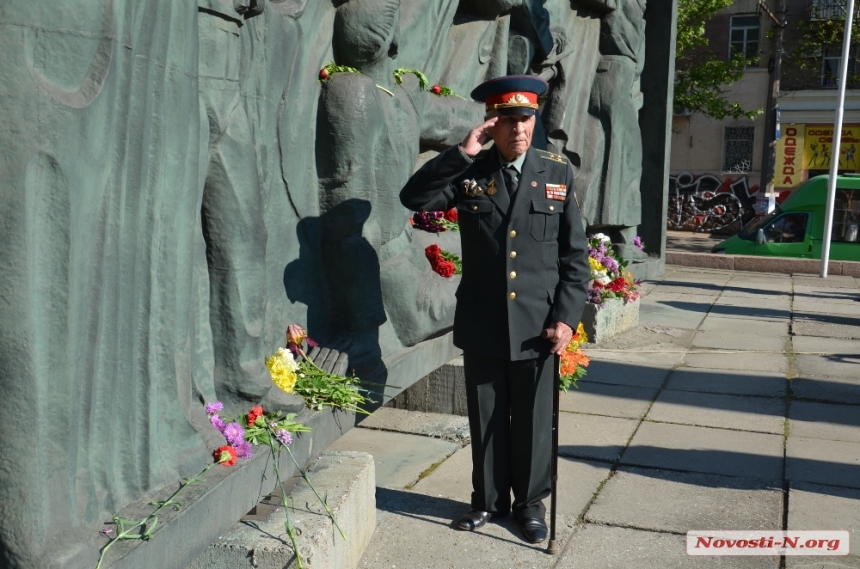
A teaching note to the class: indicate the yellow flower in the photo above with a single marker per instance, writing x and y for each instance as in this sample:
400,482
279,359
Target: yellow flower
282,366
595,265
579,338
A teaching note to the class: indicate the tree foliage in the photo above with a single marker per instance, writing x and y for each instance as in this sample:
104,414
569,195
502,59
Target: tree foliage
816,36
701,76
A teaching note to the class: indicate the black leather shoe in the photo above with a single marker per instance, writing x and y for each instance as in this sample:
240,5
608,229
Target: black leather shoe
534,529
473,519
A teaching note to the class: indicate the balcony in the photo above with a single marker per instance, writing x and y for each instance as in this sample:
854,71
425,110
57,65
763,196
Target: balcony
827,10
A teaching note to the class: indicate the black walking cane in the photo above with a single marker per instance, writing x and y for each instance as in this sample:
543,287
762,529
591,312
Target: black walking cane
552,547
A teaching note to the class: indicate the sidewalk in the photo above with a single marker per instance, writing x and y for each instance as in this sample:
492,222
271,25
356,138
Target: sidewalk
735,405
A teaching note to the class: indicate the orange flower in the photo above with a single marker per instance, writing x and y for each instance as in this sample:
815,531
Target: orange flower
570,361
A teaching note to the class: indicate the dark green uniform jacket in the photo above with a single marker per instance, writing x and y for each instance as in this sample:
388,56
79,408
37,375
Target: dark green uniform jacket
525,259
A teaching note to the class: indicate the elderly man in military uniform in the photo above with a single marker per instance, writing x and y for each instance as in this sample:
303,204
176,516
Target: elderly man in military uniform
525,268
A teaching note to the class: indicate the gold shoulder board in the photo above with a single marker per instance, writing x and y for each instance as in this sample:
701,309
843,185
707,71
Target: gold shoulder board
550,156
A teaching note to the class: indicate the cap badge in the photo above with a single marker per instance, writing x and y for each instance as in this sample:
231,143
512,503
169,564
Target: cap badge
519,99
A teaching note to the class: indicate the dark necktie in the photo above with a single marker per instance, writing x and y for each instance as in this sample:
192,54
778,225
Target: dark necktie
511,178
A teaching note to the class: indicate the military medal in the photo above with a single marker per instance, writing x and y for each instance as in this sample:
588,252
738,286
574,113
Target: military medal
491,188
556,192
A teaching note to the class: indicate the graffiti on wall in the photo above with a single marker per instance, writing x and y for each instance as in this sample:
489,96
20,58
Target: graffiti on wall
709,203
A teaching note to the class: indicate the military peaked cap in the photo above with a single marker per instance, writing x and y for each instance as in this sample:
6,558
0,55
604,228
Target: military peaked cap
511,95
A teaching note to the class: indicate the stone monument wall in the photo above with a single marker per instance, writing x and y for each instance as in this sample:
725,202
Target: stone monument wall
177,186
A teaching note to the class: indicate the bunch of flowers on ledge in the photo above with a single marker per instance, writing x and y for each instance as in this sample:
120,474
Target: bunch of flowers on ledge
436,221
608,277
573,362
444,263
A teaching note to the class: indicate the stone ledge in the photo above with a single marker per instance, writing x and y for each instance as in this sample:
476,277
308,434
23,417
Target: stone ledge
348,480
441,391
783,265
615,317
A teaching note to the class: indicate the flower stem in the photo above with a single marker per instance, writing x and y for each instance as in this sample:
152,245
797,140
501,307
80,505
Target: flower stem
285,502
322,501
127,533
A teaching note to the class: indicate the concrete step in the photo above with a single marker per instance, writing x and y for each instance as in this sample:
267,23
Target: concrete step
347,480
441,391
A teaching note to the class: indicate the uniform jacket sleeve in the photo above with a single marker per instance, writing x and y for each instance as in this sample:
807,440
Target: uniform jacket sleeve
431,187
574,271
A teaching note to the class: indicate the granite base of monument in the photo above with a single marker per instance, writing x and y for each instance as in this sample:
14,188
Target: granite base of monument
614,317
259,541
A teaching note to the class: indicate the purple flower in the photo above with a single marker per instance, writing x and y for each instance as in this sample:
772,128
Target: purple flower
234,433
637,241
218,423
213,408
284,436
244,449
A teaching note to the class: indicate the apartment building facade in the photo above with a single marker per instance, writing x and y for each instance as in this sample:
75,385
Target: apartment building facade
716,165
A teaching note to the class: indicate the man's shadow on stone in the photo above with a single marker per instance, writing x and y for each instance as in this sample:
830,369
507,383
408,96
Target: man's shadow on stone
337,277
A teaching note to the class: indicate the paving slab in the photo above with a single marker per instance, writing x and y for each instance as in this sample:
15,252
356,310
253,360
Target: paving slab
832,281
745,413
578,480
610,400
726,381
836,463
739,340
689,286
604,547
771,310
678,314
682,501
717,278
415,531
739,361
400,458
835,389
825,325
824,421
708,450
624,372
817,507
824,294
437,425
841,308
840,357
724,325
750,293
764,285
592,436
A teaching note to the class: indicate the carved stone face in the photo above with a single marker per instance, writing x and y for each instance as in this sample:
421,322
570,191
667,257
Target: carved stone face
513,135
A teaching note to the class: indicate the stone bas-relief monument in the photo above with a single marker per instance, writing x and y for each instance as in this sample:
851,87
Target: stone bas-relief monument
178,186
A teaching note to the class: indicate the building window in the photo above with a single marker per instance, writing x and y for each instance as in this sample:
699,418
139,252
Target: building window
744,37
831,66
846,217
738,149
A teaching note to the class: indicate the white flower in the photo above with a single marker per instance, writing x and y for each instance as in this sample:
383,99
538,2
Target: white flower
286,358
604,280
603,238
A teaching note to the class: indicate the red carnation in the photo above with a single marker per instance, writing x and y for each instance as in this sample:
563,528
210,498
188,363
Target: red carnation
451,215
617,285
446,269
432,251
255,414
225,455
324,74
436,90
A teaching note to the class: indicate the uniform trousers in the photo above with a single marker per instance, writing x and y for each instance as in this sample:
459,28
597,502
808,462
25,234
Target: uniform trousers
510,420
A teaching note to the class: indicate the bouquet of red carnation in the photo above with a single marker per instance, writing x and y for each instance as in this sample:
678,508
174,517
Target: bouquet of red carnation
444,263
